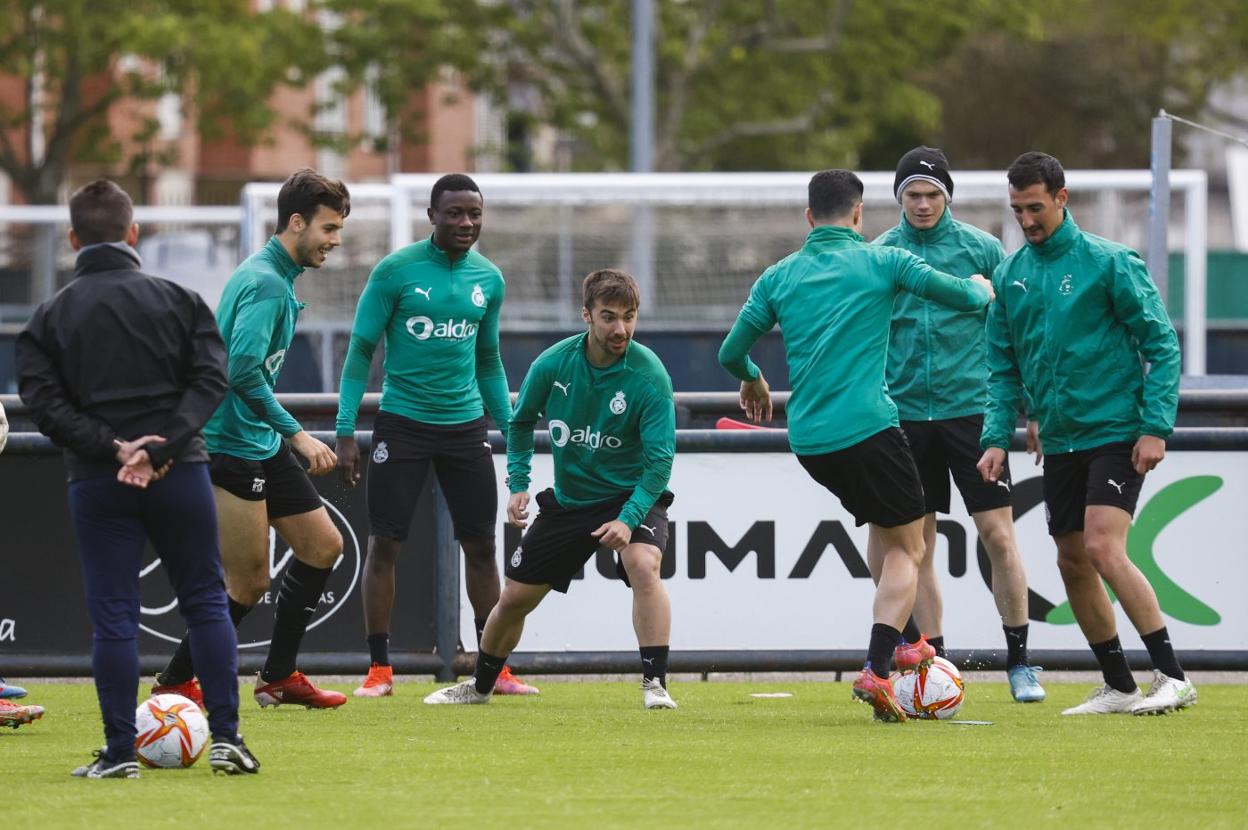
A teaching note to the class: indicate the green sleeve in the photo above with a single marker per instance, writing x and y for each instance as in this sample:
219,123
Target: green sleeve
372,315
1005,384
491,378
254,324
658,443
529,405
1138,306
755,319
917,277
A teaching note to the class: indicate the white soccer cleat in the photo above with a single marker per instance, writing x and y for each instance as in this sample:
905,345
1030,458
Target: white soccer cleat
656,697
465,692
1106,701
1165,695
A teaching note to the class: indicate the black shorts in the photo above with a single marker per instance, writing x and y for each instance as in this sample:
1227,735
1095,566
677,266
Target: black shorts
403,450
951,447
1074,480
279,481
875,479
559,543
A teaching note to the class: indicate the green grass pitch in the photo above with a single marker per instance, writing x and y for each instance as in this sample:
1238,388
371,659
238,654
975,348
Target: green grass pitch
587,755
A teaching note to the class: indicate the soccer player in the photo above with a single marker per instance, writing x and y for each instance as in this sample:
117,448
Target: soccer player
1076,318
612,419
937,374
437,303
257,480
833,299
122,370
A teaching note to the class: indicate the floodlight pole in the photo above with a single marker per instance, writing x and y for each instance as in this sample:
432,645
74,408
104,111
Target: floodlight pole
1159,206
641,146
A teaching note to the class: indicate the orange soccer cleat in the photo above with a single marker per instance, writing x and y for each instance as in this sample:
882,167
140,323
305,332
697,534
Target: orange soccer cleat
878,691
296,689
189,690
909,656
509,684
379,683
14,714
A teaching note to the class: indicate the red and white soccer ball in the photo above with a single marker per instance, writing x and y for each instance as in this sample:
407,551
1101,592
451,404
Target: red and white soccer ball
933,693
172,732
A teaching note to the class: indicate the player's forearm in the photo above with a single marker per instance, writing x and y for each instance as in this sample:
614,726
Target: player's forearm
654,480
252,389
40,388
492,383
734,353
953,292
519,457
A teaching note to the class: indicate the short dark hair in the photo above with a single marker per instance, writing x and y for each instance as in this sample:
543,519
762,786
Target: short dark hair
305,191
607,285
833,193
1037,168
451,182
100,212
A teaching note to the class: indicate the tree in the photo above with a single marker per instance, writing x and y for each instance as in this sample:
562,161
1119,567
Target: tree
79,59
741,84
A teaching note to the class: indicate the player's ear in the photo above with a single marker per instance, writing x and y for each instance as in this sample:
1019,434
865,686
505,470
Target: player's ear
1061,197
74,241
586,315
810,218
132,235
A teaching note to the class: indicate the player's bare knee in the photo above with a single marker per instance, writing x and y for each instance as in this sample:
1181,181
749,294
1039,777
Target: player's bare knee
478,553
383,552
1104,553
324,551
248,585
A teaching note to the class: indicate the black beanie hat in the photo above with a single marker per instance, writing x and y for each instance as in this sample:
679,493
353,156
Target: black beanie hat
928,164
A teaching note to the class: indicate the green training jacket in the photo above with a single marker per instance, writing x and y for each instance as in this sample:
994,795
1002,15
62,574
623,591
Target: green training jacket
833,299
257,316
612,430
938,357
440,321
1074,316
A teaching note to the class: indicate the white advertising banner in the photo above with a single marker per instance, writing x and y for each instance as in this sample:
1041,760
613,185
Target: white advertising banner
764,558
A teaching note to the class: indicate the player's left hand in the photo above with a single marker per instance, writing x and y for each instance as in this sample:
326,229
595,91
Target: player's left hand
138,472
1147,453
756,399
614,534
992,464
518,510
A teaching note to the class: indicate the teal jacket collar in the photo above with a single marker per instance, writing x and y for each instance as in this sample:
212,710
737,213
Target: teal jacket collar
1061,240
438,255
928,235
275,252
826,236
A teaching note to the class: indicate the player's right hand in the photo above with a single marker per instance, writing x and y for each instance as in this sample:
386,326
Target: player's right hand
321,458
986,283
518,510
1033,441
129,448
756,399
348,460
992,464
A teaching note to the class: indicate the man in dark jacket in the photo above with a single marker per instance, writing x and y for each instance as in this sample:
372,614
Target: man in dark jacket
121,370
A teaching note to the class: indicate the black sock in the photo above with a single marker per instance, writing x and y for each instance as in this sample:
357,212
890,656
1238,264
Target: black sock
296,602
1114,666
181,667
938,643
884,638
379,649
480,626
489,668
654,663
1015,645
911,633
1162,653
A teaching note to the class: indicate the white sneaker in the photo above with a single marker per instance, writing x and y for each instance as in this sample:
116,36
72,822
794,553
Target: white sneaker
1165,695
465,692
655,695
1106,701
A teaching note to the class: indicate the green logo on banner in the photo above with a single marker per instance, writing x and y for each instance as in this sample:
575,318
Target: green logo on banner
1163,508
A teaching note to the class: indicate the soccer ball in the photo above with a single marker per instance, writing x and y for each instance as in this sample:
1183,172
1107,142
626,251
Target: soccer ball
172,732
933,693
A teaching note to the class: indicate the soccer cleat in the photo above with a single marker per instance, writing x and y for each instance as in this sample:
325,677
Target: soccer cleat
379,683
910,656
465,692
296,689
232,758
1106,701
878,691
655,696
1165,695
7,690
509,684
1024,687
189,690
101,767
15,715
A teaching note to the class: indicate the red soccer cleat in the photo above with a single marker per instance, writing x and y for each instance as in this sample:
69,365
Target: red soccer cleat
189,690
14,714
299,690
878,691
909,656
509,684
379,683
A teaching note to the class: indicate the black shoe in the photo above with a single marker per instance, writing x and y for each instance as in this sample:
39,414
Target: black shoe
101,767
232,757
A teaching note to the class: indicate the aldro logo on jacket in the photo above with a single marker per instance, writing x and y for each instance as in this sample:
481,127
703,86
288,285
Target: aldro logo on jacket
423,328
561,435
